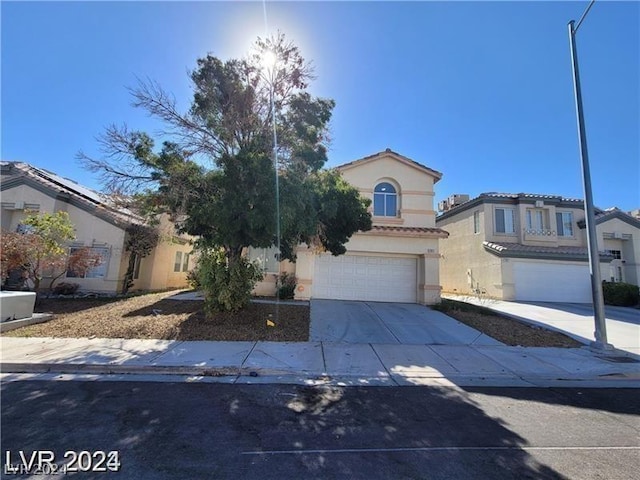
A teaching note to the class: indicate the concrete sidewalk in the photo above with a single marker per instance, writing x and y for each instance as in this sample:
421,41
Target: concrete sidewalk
573,319
319,363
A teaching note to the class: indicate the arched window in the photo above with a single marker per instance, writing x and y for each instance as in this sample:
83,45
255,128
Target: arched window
385,200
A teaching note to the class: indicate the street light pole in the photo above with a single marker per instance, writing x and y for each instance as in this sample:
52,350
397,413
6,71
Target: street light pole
592,239
270,62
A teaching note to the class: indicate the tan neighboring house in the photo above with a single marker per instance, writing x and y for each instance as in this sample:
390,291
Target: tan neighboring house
396,261
532,247
99,225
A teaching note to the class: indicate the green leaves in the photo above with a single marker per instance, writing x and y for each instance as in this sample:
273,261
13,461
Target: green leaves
230,203
55,229
226,282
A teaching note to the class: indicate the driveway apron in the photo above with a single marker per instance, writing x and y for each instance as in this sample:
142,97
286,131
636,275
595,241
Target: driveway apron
388,323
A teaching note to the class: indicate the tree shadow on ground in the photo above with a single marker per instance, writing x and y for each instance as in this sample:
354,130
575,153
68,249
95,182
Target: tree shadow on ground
288,323
182,430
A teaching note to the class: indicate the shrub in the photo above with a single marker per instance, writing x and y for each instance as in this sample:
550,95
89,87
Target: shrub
620,294
286,286
226,286
66,288
193,279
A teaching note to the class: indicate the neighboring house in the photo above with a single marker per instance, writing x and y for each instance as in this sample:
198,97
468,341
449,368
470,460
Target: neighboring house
532,247
99,225
396,261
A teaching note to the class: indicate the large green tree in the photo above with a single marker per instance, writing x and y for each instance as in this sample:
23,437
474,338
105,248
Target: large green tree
217,174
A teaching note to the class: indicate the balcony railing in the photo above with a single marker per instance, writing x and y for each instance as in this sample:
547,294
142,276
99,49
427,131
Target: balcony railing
540,232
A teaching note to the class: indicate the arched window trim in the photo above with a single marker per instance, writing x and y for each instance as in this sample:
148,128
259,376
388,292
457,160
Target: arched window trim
386,204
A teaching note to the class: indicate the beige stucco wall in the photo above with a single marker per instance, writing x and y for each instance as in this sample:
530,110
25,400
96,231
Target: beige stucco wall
629,245
414,187
267,287
520,236
91,231
157,270
466,267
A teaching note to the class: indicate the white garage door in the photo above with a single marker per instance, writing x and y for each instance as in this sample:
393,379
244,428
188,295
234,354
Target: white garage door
354,277
546,282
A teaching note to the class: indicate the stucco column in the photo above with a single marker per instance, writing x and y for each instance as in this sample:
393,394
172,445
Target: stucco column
429,278
305,264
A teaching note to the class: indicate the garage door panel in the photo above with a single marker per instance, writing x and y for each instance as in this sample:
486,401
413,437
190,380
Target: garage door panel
357,277
547,282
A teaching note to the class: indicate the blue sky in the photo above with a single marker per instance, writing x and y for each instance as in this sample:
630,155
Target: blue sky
481,91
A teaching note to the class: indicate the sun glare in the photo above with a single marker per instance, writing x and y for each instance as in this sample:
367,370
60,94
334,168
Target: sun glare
269,60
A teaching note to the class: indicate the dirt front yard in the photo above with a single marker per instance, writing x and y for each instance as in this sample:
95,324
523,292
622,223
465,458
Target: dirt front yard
506,330
157,316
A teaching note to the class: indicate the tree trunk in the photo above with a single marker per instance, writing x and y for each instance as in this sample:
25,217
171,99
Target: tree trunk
128,277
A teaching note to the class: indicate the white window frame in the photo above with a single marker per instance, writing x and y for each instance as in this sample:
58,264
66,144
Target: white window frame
382,196
95,272
136,267
476,221
512,231
560,227
537,219
266,257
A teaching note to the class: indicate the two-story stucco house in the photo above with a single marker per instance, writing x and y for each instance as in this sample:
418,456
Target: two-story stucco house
99,225
397,260
533,247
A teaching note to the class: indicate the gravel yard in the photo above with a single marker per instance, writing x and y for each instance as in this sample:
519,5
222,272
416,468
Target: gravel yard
159,317
506,330
156,316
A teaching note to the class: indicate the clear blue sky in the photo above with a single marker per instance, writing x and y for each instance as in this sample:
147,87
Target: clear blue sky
481,91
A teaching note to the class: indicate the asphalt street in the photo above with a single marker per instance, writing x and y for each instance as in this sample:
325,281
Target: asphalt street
219,431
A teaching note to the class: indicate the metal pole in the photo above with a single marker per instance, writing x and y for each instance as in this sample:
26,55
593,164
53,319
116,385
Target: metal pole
275,166
592,240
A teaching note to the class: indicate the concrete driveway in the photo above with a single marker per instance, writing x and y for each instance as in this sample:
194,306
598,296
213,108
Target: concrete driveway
388,323
575,319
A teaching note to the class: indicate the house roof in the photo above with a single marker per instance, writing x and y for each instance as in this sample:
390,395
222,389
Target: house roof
533,196
409,231
531,251
609,214
511,198
388,152
19,173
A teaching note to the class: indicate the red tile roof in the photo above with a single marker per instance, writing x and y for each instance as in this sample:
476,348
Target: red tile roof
435,173
517,249
416,230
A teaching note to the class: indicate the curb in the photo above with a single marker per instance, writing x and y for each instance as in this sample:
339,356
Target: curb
257,375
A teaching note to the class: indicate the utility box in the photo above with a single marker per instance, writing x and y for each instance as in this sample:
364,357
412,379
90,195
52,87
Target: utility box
16,305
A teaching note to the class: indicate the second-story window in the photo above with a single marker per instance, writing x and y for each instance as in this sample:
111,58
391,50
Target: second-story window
537,220
476,222
385,200
564,222
505,220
